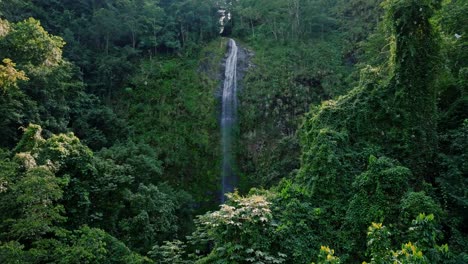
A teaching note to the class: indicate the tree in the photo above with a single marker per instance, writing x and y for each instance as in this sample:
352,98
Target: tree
104,22
242,231
28,43
376,198
9,76
151,216
414,60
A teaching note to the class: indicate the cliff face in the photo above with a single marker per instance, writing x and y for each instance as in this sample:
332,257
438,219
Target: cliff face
244,57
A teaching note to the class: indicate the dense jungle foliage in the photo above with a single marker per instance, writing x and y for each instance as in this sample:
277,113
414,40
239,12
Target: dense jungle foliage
351,145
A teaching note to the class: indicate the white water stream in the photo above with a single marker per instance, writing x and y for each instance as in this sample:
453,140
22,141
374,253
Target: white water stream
228,120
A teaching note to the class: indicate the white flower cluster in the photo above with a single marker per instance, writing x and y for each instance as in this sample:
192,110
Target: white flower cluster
251,209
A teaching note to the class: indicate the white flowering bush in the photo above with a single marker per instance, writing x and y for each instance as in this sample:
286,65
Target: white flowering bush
241,231
249,210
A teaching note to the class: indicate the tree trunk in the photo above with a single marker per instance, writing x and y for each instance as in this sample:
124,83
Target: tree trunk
182,36
133,39
252,27
107,43
274,30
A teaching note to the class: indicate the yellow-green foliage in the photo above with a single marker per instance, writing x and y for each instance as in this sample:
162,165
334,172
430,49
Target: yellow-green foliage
327,256
380,250
9,76
422,247
4,27
410,254
28,42
31,140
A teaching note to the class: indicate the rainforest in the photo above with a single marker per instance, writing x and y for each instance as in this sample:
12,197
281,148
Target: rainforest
233,131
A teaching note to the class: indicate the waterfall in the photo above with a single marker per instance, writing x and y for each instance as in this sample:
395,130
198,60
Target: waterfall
228,120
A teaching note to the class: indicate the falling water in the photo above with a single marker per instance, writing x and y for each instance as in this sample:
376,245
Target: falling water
228,119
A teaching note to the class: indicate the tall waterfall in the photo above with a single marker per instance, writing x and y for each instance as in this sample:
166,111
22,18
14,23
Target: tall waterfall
228,120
